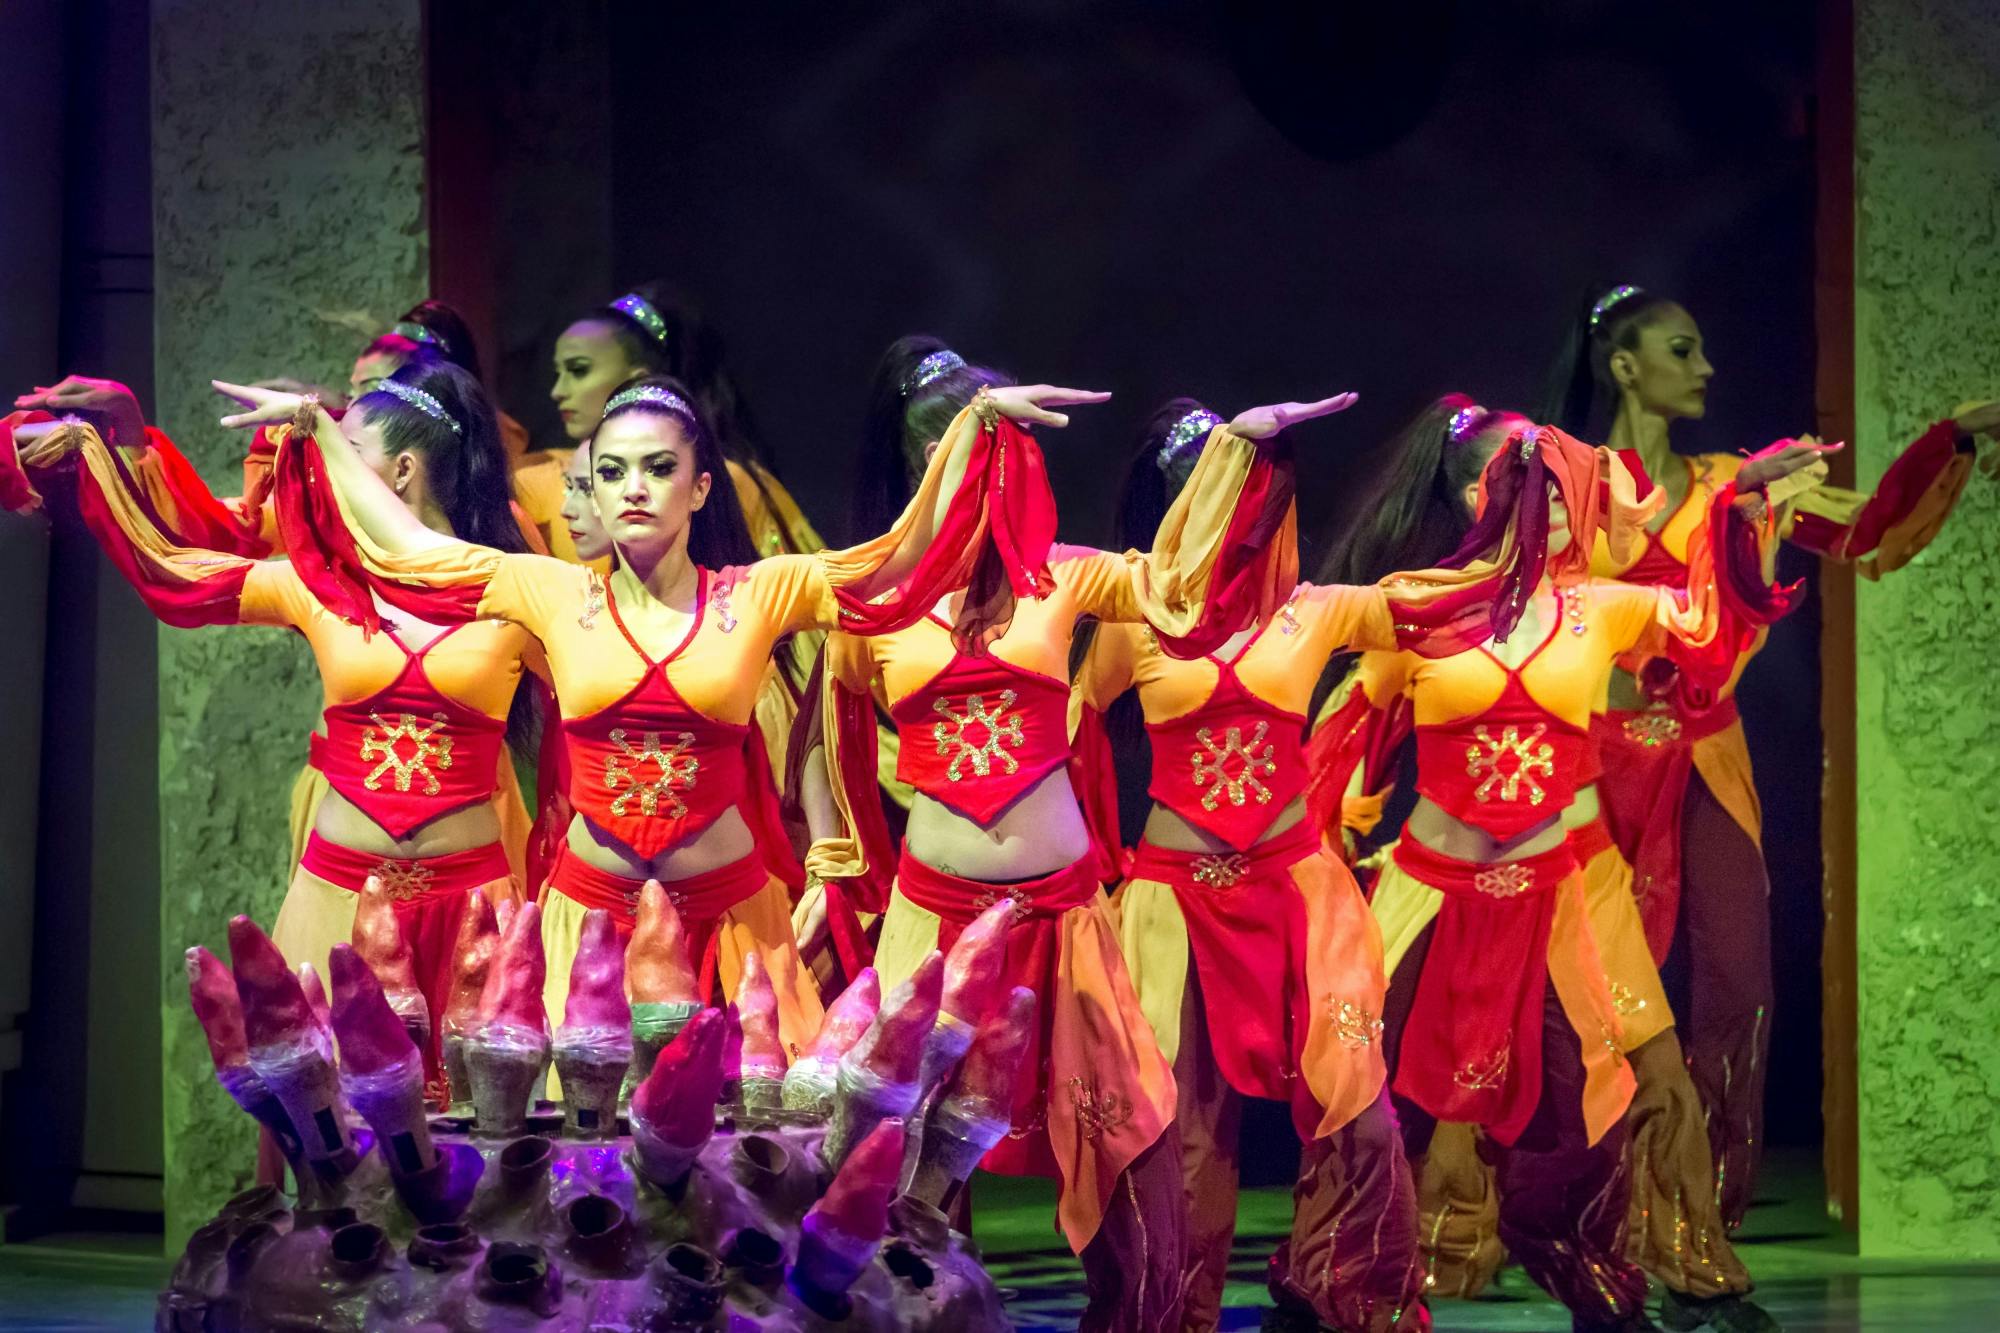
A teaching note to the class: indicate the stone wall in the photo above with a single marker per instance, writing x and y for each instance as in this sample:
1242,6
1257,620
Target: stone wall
1927,301
288,224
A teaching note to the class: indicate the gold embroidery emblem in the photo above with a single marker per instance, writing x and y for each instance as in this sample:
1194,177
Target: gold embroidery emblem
404,880
1235,768
1355,1025
1653,728
1288,620
593,598
1509,880
676,766
1024,903
1479,1075
1221,872
1610,1040
724,616
426,743
1001,731
1533,757
1098,1112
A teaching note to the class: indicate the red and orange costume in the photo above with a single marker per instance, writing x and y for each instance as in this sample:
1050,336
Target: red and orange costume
1681,802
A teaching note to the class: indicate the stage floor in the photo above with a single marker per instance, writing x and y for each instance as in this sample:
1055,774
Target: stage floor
1807,1273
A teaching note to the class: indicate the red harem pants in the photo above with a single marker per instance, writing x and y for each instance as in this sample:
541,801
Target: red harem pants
1094,1104
1263,971
1563,1199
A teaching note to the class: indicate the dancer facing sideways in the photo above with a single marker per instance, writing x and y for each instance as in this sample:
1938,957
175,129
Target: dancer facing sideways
1425,508
648,332
656,669
1679,796
1500,1010
985,742
414,784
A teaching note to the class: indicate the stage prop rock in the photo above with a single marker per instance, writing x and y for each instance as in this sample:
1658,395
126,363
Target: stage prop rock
753,1196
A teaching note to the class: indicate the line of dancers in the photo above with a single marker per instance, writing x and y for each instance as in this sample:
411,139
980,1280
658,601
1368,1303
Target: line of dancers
834,760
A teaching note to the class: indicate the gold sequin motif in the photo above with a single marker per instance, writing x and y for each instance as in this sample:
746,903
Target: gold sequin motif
404,880
677,769
1098,1112
1000,731
1234,767
1355,1025
1510,880
1624,1000
593,598
1221,872
1024,903
1532,757
1652,729
1479,1075
426,743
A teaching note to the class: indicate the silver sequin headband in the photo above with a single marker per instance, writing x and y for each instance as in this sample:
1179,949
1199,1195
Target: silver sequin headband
417,333
418,399
932,367
1610,299
1465,423
640,311
664,399
1182,435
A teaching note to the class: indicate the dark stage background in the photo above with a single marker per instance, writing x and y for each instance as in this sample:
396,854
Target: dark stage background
1225,200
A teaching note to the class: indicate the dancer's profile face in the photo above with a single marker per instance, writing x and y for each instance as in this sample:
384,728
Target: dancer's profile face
1668,372
370,369
395,469
590,364
579,509
644,481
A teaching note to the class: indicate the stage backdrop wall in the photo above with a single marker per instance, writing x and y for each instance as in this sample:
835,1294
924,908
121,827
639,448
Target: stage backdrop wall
289,223
1927,297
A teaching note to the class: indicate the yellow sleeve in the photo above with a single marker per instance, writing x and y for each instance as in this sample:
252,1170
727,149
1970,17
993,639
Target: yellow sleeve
792,592
273,595
1332,617
1106,671
531,591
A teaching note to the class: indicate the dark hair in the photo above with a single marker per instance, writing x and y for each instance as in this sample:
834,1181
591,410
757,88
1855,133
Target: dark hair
406,350
903,417
1581,375
465,471
452,335
717,535
1416,515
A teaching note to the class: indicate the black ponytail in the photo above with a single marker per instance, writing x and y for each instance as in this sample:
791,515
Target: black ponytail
1606,320
909,405
439,326
465,471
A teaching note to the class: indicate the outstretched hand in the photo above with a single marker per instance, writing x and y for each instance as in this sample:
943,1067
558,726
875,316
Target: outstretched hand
1784,458
262,407
1031,402
1261,423
105,404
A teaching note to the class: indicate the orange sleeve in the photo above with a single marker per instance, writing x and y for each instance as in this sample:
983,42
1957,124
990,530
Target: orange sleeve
1107,667
1332,617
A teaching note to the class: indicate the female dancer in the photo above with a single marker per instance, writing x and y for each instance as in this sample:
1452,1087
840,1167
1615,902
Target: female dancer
1676,1230
1678,792
1501,1013
420,790
645,332
984,741
657,668
1251,951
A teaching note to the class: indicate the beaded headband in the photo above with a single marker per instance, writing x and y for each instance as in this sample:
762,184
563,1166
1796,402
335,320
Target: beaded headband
418,399
1530,437
652,394
1182,435
932,367
1465,423
1611,298
640,311
417,333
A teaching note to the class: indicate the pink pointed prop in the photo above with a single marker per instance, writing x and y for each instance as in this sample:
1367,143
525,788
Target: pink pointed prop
975,986
381,1069
809,1082
593,1047
878,1077
288,1048
975,1109
761,1062
842,1232
378,938
665,994
212,993
505,1047
673,1111
471,959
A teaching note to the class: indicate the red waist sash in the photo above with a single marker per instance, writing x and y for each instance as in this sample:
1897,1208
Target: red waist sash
1472,1050
1590,841
1648,758
700,899
1247,928
407,880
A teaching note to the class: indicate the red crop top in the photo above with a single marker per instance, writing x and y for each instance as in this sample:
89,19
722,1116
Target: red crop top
651,768
409,753
1232,765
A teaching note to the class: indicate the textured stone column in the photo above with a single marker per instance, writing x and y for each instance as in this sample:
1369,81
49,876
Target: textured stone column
1926,303
288,221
